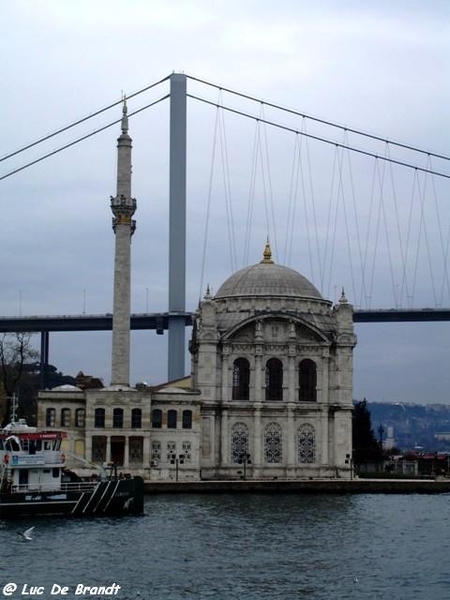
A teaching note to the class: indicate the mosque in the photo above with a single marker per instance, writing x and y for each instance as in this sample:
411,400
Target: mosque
270,389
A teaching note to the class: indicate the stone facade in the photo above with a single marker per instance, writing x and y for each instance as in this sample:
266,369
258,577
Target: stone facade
273,361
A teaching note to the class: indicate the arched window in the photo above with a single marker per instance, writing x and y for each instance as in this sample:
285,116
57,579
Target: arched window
99,417
187,419
157,418
65,417
172,419
241,379
118,417
306,444
136,418
80,417
307,381
273,443
50,417
239,442
274,379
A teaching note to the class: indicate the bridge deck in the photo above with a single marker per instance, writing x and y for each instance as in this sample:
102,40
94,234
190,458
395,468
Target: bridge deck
160,321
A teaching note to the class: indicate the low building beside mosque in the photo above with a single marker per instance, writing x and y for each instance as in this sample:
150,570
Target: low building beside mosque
269,395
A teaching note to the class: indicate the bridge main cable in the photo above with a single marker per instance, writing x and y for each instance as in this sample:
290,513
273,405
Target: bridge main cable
82,120
318,120
320,139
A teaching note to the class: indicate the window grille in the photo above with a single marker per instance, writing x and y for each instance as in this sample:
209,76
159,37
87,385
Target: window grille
156,451
273,443
171,450
187,451
98,449
136,450
306,444
239,441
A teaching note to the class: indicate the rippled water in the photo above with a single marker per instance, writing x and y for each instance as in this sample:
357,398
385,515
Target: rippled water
252,547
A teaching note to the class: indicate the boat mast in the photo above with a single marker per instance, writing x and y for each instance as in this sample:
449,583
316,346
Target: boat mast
14,407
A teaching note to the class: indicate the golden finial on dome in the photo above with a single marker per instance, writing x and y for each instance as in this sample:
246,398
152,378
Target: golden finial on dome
267,254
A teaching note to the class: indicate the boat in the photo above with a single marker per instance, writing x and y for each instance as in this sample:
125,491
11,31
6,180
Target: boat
34,479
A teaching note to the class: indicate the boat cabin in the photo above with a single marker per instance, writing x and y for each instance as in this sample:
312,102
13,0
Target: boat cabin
30,459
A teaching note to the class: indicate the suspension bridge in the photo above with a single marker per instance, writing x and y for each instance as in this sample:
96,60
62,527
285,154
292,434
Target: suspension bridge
340,205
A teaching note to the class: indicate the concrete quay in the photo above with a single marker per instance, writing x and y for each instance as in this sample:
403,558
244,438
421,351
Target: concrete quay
288,486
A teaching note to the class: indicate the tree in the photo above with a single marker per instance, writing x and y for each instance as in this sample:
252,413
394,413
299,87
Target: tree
17,359
365,446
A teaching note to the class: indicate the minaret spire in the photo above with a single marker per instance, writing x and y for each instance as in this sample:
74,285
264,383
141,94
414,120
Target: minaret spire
124,115
123,207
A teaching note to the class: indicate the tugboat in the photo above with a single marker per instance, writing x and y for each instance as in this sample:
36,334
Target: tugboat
34,479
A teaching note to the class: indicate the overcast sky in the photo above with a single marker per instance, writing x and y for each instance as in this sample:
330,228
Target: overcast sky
381,67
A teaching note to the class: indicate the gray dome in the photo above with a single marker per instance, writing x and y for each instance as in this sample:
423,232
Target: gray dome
268,279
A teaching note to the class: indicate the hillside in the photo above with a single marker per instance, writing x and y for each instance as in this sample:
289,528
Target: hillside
414,425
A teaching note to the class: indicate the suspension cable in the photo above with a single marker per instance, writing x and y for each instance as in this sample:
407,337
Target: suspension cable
81,139
324,140
82,120
208,206
323,121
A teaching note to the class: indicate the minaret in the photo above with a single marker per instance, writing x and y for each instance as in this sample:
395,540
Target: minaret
123,207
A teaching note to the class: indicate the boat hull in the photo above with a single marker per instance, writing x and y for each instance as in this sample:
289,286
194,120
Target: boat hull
112,497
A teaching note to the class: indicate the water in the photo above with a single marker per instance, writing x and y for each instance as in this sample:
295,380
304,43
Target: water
246,547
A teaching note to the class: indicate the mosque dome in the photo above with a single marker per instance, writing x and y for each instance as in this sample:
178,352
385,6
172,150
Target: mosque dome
268,279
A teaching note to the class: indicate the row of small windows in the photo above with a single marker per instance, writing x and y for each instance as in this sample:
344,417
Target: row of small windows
273,443
307,380
118,418
65,417
172,419
171,451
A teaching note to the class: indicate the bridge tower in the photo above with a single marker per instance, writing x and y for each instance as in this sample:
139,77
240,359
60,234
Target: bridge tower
123,207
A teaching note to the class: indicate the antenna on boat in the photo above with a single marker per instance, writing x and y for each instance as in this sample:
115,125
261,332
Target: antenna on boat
14,407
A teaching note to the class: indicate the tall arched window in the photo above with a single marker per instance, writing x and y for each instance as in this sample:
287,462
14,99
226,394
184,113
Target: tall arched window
80,417
157,418
307,381
99,417
274,379
136,418
273,443
172,419
50,417
187,419
65,417
241,379
306,444
118,417
239,442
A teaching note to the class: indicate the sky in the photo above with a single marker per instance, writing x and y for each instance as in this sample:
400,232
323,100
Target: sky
340,218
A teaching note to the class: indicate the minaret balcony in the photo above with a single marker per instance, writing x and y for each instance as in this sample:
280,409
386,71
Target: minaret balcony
123,205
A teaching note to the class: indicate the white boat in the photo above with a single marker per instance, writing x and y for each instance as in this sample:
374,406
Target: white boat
34,479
